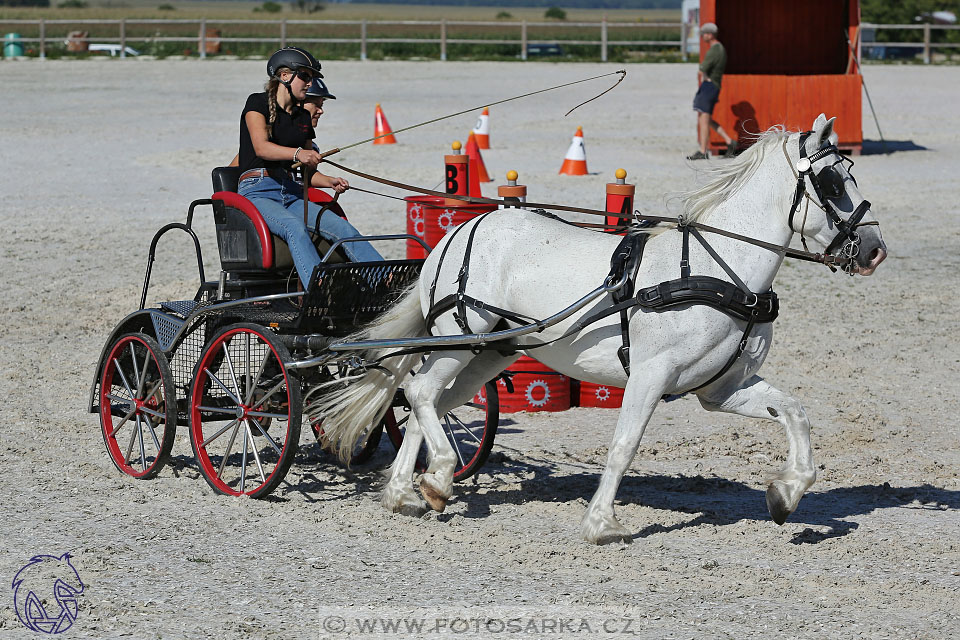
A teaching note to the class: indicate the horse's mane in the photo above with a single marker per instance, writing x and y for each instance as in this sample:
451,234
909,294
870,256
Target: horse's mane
725,178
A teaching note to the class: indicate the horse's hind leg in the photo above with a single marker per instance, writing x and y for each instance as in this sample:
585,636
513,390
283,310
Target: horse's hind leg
755,398
429,396
398,494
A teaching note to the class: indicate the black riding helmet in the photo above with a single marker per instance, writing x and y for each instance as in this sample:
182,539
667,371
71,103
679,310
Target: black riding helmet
293,58
318,89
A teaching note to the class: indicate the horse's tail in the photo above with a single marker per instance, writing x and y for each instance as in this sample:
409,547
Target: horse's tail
351,406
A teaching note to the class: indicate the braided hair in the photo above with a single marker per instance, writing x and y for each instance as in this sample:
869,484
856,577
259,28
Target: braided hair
271,87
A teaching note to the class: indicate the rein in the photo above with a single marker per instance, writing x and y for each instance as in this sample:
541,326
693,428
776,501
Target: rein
809,256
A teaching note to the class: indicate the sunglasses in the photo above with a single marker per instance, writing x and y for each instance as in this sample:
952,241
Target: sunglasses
306,76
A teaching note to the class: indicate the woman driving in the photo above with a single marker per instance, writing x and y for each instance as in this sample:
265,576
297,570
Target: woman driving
275,133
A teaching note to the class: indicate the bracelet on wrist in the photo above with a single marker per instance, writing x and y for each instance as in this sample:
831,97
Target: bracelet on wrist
296,153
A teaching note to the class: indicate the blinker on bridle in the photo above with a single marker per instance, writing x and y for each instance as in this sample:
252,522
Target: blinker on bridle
828,185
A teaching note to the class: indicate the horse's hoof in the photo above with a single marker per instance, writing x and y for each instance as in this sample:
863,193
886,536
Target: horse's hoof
406,503
411,509
605,531
434,498
607,538
777,502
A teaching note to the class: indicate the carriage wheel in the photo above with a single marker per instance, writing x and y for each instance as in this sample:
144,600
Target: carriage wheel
138,405
245,408
471,430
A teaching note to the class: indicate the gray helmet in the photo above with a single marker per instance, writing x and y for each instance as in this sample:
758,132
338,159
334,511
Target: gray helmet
318,89
293,58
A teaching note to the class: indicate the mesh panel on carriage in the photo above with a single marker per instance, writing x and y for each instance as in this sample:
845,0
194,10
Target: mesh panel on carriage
342,296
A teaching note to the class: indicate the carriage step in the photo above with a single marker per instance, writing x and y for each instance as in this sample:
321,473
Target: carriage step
182,308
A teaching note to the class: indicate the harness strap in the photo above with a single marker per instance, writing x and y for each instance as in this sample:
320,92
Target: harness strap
719,261
626,259
733,358
455,299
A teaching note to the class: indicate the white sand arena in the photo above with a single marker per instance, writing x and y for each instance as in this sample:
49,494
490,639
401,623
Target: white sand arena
97,155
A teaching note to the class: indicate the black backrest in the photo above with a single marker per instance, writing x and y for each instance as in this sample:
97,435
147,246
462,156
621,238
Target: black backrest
226,179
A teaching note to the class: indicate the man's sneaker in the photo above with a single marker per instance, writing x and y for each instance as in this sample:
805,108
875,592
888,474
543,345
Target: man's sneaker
699,155
731,149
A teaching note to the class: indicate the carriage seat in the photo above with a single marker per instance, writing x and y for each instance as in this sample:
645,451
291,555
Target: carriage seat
244,240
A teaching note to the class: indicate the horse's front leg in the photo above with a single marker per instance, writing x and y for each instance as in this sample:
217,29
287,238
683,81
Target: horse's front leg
640,398
756,398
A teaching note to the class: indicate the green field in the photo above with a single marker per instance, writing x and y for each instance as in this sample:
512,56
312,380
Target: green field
163,39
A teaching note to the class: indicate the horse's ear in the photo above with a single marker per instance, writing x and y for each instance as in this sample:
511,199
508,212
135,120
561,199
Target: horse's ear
823,132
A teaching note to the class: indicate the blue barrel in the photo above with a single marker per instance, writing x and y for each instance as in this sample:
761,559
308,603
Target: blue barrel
12,47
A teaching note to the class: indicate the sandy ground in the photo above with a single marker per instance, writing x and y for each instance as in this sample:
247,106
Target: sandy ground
97,155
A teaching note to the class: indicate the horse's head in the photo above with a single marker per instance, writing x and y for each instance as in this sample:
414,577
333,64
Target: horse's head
840,222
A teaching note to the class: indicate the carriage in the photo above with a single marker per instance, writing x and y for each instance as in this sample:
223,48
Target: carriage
234,363
237,359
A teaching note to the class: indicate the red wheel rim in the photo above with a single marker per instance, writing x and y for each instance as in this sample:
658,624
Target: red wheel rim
241,389
132,385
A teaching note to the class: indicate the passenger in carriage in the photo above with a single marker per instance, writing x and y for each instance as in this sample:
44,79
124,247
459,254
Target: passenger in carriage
276,131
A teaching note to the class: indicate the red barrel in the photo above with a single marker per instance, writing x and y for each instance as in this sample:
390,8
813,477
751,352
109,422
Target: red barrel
416,223
439,219
536,387
597,395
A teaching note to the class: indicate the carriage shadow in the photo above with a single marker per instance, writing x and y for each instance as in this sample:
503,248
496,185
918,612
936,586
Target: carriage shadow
712,500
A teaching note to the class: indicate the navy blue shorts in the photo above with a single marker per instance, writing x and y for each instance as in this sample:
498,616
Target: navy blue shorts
706,98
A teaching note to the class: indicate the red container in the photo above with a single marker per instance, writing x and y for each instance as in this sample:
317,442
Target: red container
536,387
416,223
439,219
600,396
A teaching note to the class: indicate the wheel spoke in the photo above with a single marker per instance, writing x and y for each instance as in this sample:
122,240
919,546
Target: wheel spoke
143,454
116,364
219,433
453,439
464,427
153,434
261,414
129,415
233,374
207,409
133,437
243,463
272,391
266,435
233,436
256,455
222,386
253,385
153,412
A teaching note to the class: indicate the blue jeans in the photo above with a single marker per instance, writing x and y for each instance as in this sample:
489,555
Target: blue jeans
281,204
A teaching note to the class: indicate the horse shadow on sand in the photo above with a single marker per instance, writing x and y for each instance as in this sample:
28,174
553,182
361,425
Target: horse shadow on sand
712,500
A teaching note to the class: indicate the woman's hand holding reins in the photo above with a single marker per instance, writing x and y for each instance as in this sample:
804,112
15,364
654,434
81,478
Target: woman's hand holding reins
308,157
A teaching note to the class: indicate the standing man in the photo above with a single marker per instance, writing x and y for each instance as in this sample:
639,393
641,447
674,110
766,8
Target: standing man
709,76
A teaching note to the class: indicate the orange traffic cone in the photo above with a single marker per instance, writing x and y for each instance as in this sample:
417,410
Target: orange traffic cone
382,128
478,168
482,130
575,162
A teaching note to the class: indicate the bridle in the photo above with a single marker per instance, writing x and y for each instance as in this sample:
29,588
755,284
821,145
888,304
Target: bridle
828,186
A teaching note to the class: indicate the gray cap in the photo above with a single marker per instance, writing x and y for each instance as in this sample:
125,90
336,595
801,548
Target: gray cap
708,27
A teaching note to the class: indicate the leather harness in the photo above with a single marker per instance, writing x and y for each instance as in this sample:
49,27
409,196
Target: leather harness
732,298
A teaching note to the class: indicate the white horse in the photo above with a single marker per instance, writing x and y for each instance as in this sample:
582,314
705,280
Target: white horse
534,265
